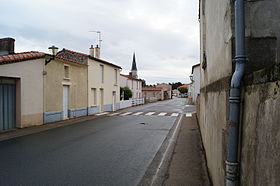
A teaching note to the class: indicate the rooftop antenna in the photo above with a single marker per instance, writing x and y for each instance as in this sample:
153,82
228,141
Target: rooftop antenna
99,36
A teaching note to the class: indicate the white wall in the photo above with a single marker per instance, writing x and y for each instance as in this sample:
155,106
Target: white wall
196,83
134,85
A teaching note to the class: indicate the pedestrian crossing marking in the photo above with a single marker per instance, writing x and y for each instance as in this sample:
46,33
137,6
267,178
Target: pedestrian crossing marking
116,113
188,115
175,114
145,114
137,113
103,113
149,113
126,113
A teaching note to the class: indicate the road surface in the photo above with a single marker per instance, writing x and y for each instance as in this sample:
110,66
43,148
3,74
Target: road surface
113,149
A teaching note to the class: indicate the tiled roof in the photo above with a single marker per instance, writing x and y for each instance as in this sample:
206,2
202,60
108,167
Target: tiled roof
129,77
18,57
72,56
78,57
184,86
151,89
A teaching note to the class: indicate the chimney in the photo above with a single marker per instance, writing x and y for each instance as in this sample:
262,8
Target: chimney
7,46
97,52
91,51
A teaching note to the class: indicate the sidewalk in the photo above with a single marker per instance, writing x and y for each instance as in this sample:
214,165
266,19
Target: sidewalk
188,165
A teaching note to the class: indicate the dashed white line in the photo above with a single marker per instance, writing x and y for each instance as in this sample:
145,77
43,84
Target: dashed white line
103,113
175,114
125,113
149,113
188,115
137,113
162,114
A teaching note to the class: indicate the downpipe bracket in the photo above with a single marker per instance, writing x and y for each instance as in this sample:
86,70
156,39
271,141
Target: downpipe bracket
232,171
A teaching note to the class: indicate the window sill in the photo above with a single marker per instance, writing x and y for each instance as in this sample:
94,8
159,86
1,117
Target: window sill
66,78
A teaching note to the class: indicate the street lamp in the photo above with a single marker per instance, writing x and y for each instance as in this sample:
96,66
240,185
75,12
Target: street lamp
191,77
53,50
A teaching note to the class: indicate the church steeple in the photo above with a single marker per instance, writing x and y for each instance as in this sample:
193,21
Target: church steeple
134,68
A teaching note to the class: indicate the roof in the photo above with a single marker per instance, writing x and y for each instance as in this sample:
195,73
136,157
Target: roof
195,66
147,88
79,57
19,57
184,86
72,56
134,63
129,77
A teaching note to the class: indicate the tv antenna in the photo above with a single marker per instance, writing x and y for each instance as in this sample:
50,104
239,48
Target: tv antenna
99,36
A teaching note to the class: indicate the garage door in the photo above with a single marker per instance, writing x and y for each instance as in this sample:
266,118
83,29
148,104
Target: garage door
7,106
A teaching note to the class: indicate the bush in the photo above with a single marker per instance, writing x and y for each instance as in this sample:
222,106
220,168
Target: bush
126,92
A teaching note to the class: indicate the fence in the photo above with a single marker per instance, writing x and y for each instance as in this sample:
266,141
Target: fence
131,102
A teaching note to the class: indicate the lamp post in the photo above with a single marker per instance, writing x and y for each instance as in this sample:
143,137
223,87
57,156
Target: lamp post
53,50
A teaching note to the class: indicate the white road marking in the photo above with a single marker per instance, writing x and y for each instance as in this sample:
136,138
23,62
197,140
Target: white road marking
137,113
103,113
125,113
162,114
116,113
175,114
149,113
188,115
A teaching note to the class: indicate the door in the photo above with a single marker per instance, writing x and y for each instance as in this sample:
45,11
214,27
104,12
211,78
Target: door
7,106
101,100
65,101
114,101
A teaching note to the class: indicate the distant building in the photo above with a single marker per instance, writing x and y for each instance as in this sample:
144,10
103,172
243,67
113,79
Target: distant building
131,81
152,93
194,89
167,90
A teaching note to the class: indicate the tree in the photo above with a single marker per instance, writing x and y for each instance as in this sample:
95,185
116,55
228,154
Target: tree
175,85
183,90
126,92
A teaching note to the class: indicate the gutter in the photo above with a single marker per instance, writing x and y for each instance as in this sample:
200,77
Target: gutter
232,165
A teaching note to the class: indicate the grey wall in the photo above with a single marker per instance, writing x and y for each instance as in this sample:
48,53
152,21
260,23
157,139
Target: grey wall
260,136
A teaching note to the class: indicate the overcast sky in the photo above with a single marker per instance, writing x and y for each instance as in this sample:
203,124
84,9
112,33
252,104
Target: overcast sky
163,33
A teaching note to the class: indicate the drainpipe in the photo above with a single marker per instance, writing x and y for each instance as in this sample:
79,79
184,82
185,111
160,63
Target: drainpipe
234,99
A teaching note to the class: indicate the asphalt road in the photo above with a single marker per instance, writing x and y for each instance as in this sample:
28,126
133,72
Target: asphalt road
109,150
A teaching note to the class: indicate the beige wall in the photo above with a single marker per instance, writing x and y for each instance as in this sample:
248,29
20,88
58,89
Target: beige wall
109,85
134,85
54,81
29,90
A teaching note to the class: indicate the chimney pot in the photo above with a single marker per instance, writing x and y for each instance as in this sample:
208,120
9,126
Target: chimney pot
97,52
91,51
7,46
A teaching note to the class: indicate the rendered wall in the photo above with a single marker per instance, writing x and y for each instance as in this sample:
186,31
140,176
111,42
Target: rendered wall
260,134
53,90
30,89
109,85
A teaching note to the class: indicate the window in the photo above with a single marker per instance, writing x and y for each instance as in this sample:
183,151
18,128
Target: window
116,77
102,73
66,72
93,97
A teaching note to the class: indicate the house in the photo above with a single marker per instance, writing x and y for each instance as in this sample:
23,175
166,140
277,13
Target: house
239,107
37,88
103,84
167,90
21,87
152,93
194,89
131,81
65,87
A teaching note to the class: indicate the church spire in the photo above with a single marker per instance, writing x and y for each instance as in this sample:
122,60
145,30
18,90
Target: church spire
134,63
134,68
